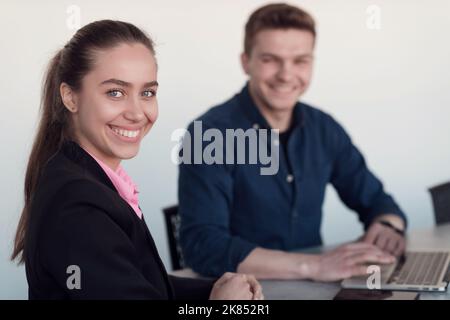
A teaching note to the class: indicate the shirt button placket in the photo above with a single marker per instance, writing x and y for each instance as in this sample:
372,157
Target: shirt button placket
290,179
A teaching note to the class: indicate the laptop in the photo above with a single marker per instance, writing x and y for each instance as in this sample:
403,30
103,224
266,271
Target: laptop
415,271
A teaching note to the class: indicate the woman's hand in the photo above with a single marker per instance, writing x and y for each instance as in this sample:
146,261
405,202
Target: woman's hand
234,286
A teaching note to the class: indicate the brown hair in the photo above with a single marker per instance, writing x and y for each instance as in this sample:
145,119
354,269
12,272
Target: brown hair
69,65
276,16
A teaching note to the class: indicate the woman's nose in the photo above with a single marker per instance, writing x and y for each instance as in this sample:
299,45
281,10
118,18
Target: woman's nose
135,111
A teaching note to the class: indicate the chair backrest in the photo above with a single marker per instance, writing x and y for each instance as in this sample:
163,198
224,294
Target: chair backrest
172,219
441,202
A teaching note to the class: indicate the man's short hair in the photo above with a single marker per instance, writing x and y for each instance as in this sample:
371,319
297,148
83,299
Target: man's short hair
276,16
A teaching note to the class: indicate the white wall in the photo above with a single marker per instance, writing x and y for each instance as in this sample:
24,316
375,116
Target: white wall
388,87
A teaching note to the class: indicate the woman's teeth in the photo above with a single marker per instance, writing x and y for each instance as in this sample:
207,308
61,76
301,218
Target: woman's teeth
126,133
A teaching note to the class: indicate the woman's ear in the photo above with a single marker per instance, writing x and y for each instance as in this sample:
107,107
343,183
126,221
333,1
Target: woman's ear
68,97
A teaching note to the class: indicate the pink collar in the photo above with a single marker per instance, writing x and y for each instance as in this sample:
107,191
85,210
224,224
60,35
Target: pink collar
122,182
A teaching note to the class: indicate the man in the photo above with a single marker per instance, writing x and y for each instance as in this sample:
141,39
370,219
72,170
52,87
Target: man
235,218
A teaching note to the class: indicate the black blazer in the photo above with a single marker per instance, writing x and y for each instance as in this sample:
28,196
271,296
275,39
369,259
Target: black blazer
78,218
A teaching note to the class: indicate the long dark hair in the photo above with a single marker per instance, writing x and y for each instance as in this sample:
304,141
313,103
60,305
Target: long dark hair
69,65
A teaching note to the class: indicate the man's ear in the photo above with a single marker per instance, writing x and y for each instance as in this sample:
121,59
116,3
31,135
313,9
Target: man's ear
68,97
244,62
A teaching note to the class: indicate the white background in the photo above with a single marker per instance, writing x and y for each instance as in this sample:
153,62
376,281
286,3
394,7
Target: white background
388,87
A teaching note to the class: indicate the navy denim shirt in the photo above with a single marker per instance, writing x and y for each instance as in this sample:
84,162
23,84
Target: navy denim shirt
227,210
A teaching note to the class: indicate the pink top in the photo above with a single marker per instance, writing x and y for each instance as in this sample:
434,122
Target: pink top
125,186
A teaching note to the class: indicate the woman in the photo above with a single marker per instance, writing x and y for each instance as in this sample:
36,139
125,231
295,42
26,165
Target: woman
82,234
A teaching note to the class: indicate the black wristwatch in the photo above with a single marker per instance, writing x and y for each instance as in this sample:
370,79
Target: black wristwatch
390,225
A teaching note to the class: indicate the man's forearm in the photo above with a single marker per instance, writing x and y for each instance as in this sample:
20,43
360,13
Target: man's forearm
275,264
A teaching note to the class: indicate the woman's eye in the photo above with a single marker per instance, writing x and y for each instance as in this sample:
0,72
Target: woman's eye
148,93
115,93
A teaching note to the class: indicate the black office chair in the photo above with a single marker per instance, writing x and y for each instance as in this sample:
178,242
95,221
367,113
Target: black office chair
173,234
441,202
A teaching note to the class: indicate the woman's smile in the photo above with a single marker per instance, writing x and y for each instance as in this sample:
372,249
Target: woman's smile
127,134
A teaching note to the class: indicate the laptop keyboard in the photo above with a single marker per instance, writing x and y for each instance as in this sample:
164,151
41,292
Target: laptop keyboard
419,268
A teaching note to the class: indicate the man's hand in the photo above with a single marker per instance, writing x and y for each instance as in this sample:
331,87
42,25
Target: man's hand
346,261
385,237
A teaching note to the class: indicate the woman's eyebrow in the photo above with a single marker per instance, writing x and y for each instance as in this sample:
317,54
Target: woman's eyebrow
128,84
117,82
150,84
